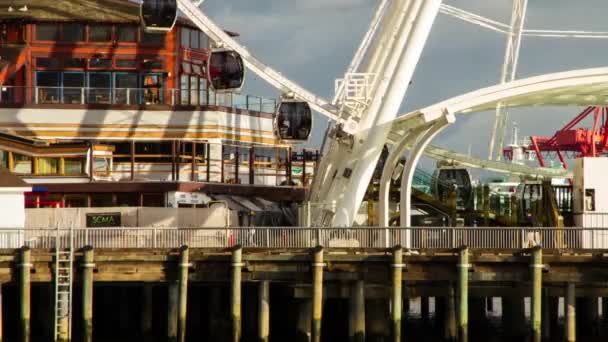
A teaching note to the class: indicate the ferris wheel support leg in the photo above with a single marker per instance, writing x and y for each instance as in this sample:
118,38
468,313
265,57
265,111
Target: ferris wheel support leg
410,167
411,39
389,170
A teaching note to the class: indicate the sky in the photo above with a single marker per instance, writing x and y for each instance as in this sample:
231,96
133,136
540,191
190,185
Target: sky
312,42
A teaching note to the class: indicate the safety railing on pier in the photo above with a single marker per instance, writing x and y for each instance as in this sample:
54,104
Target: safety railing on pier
296,237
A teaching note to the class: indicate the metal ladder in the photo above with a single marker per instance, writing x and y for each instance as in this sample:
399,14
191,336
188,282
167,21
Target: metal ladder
64,270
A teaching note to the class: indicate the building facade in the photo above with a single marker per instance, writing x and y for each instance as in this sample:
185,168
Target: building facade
95,112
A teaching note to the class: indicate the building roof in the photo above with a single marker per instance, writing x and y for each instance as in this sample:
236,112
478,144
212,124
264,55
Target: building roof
9,180
70,10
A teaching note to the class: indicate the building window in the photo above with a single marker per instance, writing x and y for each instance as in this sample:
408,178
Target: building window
73,87
74,63
100,87
23,164
100,33
185,37
48,166
126,34
152,84
152,38
48,63
194,90
73,32
126,64
589,199
152,64
125,88
185,92
47,85
73,166
4,159
47,32
100,63
194,41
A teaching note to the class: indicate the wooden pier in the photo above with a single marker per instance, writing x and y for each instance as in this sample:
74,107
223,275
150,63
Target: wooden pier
375,283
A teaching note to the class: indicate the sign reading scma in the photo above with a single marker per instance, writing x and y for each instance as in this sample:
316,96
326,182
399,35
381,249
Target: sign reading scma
97,220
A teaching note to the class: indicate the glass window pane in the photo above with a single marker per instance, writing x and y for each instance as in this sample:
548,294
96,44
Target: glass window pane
194,42
185,37
73,166
151,64
125,91
3,159
152,85
100,33
194,90
73,87
184,89
23,164
74,63
48,63
99,84
100,63
126,63
126,34
47,84
152,38
73,32
47,32
48,166
202,40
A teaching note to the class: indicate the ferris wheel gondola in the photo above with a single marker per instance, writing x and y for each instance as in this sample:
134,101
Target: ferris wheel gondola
456,177
293,120
158,16
226,70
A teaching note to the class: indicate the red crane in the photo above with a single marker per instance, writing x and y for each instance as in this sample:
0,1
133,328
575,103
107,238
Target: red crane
583,142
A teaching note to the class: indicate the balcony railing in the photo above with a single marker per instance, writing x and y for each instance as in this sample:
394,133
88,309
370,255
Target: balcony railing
133,97
298,237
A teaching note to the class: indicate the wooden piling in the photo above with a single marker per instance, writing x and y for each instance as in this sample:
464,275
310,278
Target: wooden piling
357,312
25,293
172,311
450,320
235,294
304,323
1,318
184,265
463,294
317,290
536,310
424,308
570,313
87,294
546,316
147,310
397,298
264,311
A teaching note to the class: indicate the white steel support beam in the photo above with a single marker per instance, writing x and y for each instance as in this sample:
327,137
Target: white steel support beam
509,70
410,167
374,126
389,170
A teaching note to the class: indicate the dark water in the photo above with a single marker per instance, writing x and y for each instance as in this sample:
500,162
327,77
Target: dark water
118,317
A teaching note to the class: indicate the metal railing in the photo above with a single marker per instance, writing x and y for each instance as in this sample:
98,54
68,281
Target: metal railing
297,237
14,95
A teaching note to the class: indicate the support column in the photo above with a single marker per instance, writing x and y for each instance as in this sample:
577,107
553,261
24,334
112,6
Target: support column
463,294
317,293
546,316
356,322
25,293
477,309
235,293
87,294
513,316
536,310
172,311
183,293
1,318
147,309
377,329
397,298
570,313
304,326
264,311
450,332
424,308
587,315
